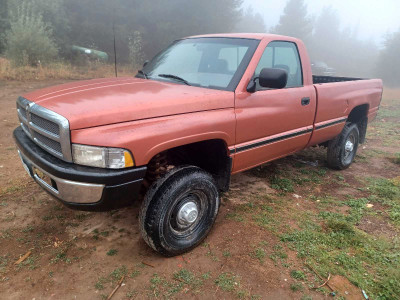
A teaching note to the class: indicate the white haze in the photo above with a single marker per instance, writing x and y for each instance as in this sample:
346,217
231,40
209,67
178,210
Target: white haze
371,19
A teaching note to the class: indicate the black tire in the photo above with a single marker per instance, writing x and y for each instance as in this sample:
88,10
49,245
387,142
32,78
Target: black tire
341,156
159,220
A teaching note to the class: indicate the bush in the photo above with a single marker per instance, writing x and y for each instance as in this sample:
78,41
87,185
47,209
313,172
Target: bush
29,40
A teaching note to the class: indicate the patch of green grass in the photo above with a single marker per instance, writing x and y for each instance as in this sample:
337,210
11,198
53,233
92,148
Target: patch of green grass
104,233
259,253
282,184
160,286
112,252
299,275
386,192
185,276
131,294
99,285
134,274
28,229
228,281
235,216
278,254
295,287
370,263
3,263
226,253
112,277
81,216
30,263
118,273
396,159
6,233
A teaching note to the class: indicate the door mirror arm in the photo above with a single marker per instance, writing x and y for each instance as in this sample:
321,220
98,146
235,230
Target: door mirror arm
251,87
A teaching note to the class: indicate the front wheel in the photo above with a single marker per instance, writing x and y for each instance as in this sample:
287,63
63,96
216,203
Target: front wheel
343,148
179,210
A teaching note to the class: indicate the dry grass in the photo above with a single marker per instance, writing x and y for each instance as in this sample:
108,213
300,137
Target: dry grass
60,70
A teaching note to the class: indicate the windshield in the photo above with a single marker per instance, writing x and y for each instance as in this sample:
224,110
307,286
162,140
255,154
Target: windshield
206,62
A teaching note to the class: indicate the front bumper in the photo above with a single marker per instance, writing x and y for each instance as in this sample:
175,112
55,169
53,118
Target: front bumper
79,187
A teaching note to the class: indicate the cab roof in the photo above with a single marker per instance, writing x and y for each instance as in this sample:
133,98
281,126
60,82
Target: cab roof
254,36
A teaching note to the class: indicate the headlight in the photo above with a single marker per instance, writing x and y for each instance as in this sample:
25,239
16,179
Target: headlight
112,158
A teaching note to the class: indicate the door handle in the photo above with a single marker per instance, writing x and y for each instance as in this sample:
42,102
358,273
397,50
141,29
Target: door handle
305,101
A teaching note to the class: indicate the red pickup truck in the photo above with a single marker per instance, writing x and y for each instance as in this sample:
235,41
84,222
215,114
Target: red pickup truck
204,108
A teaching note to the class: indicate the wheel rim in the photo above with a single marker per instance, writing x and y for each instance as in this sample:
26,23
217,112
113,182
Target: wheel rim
349,147
188,213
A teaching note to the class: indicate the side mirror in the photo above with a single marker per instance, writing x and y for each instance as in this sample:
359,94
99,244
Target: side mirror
273,78
145,63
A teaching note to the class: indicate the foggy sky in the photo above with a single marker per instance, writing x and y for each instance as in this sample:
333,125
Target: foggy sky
372,18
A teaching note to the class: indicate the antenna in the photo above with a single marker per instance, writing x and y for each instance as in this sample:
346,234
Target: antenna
115,47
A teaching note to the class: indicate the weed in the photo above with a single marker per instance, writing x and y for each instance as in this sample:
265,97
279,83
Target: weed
184,276
28,229
235,216
298,275
340,226
227,281
112,252
99,285
296,287
282,184
118,273
259,253
134,274
131,294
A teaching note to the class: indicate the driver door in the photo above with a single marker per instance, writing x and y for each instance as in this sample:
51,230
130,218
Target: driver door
273,123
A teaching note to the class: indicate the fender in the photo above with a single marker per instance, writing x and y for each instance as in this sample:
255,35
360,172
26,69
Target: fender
146,138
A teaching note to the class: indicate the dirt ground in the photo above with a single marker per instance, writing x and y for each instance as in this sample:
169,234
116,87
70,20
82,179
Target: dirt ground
249,254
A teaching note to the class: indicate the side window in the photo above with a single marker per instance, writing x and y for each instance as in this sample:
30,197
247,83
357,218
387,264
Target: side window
282,55
231,57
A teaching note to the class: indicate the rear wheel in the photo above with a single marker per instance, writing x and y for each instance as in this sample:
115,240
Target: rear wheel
343,148
179,210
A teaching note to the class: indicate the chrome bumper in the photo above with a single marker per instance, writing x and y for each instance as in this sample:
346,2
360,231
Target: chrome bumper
65,190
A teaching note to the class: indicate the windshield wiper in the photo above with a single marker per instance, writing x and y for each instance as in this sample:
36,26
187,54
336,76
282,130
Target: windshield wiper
174,77
143,73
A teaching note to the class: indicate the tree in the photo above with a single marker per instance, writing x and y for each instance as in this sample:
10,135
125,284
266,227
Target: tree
294,21
341,48
158,21
4,24
251,22
136,55
53,14
388,67
29,39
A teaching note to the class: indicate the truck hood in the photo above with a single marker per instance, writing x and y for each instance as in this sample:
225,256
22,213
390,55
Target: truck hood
99,102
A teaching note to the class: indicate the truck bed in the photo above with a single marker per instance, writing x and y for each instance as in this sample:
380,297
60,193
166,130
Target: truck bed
326,79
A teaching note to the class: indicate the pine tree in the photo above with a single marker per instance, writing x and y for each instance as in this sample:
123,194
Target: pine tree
294,21
389,62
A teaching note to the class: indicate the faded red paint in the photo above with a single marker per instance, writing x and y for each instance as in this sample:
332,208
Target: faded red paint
148,117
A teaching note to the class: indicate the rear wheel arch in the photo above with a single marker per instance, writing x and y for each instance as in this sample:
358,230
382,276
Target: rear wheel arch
359,116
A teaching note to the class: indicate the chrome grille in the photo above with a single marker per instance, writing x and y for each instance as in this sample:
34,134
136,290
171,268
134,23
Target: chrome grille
45,124
53,145
46,128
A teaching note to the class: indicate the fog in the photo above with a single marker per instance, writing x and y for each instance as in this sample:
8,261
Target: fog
371,19
359,38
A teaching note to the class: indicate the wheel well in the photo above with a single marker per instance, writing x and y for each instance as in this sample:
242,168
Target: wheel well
359,116
210,155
